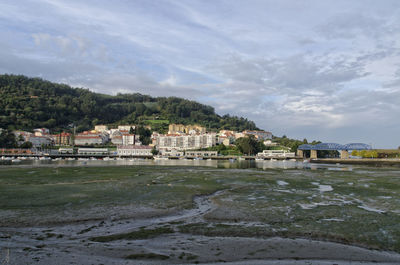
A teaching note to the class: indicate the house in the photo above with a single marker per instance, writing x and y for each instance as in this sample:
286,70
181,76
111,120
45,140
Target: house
134,150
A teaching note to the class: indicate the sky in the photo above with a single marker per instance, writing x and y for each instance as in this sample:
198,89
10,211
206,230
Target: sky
321,70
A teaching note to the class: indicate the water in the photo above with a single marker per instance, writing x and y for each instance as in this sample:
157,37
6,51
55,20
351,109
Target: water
246,164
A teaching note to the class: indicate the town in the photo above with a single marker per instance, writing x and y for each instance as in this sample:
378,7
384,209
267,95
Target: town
181,141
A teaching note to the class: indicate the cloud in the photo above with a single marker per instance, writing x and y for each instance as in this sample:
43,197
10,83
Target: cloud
317,68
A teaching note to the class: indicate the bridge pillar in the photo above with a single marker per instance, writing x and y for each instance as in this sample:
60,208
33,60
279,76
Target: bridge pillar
313,154
300,153
344,154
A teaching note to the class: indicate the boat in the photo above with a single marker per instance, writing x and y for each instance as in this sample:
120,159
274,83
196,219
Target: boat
44,158
16,160
259,159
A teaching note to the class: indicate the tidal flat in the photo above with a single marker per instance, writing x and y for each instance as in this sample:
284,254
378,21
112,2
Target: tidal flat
146,214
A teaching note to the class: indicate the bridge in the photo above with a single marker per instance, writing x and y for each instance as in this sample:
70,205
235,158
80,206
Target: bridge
343,149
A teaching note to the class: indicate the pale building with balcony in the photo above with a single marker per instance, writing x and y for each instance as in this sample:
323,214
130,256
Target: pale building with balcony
186,142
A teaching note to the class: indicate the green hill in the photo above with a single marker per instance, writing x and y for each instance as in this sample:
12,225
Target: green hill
27,103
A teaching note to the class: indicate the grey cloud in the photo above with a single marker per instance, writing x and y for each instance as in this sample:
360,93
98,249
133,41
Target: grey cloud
350,25
294,74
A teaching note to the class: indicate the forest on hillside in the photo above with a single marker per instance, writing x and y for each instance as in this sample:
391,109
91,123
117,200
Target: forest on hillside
27,103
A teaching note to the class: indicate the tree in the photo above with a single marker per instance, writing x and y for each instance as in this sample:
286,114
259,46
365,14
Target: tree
144,135
27,145
7,139
154,151
354,153
248,145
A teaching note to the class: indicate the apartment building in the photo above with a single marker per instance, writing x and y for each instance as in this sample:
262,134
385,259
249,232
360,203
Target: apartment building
186,142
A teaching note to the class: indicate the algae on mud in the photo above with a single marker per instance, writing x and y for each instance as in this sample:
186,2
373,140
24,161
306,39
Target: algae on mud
361,208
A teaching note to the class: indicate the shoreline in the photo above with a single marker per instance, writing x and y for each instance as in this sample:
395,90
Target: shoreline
354,161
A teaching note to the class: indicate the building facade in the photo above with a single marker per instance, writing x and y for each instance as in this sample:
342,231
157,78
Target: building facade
62,138
89,138
186,142
39,141
101,128
134,150
186,129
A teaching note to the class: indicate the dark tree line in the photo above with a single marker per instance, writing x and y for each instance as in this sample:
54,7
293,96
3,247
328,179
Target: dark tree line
27,103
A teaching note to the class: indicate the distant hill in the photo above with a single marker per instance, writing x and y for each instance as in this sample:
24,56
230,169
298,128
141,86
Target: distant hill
27,103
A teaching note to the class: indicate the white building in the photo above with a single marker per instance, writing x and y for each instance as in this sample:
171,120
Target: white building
186,142
171,153
201,153
128,139
134,150
93,151
276,153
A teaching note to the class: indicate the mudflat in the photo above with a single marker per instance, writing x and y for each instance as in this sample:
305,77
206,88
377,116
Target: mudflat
192,214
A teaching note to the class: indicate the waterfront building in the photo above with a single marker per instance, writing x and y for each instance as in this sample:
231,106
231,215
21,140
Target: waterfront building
93,151
134,150
201,153
275,153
